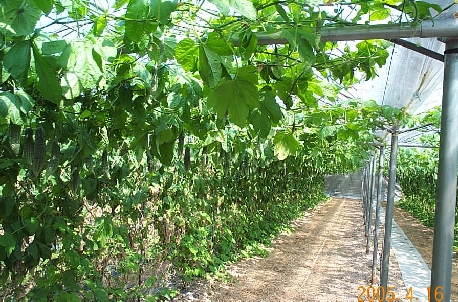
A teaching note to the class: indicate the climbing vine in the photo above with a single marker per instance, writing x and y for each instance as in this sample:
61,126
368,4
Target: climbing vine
417,173
146,139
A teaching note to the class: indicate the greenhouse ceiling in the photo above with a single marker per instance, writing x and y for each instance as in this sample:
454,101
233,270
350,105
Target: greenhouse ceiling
410,79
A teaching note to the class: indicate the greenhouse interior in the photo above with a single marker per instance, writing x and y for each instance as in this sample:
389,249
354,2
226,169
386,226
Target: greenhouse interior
228,150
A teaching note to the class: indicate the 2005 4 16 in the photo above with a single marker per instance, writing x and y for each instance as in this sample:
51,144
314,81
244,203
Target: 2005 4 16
382,294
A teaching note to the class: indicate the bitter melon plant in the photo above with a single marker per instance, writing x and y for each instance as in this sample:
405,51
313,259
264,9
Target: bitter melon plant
39,151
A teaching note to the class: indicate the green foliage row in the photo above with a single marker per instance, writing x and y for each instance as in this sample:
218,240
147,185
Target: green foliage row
417,176
93,241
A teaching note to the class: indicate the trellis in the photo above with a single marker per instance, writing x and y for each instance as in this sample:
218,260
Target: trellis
447,31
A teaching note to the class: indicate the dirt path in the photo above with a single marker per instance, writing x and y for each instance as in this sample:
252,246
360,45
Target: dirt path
324,259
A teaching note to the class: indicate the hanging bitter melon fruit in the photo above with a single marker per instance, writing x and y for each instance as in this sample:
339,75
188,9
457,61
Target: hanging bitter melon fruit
203,163
105,163
180,144
55,158
28,150
39,152
89,163
187,158
15,138
75,180
318,26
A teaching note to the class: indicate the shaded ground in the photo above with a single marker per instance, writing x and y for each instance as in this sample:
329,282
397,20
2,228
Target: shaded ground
324,259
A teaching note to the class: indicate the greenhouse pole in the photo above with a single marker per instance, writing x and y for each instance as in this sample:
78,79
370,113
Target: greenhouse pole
366,197
444,219
389,209
377,212
371,202
363,191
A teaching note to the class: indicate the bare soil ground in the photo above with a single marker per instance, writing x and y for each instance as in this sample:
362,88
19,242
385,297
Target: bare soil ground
323,259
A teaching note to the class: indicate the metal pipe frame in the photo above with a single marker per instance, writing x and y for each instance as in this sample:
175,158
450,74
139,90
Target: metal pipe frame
371,202
444,219
363,192
366,198
425,29
389,209
419,49
378,210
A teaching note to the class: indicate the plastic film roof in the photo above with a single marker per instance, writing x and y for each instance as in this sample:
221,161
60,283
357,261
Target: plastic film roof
410,79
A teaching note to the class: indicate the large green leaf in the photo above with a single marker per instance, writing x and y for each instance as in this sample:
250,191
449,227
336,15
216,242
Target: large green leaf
346,134
243,7
164,151
210,68
282,12
380,13
31,225
318,118
186,53
424,9
7,240
301,40
71,87
25,101
53,47
268,113
100,24
248,43
4,75
44,5
324,88
85,68
14,107
105,50
218,45
284,89
163,9
17,61
164,48
248,73
19,17
100,294
163,141
48,83
285,144
120,3
4,102
234,97
260,121
139,20
270,105
8,107
327,131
